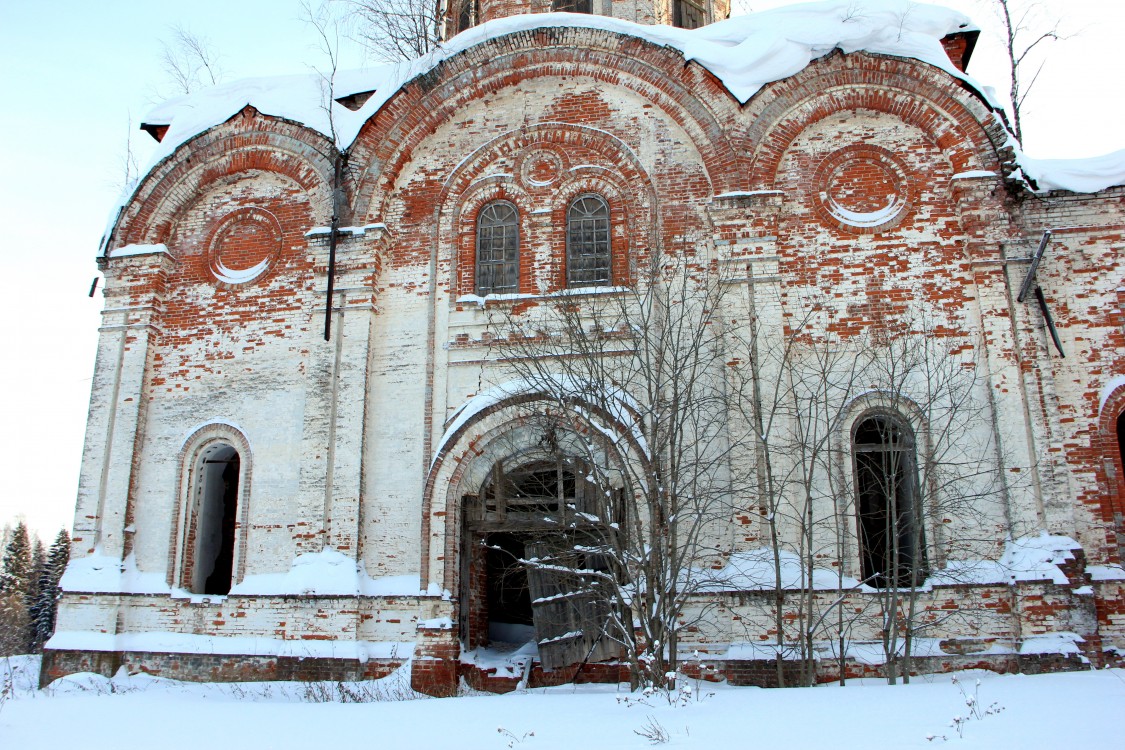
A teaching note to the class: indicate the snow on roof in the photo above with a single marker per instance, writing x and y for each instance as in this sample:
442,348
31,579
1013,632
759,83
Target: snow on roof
1076,175
744,52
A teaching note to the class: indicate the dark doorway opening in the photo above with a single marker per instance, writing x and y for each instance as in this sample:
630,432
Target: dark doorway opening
217,514
508,598
536,564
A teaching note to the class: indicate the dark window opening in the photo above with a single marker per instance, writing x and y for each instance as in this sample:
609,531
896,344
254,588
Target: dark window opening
217,492
891,537
688,15
572,6
587,242
1121,440
498,248
468,14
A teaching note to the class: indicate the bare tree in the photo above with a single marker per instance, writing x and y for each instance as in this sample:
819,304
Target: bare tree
189,61
394,30
872,447
1020,41
798,385
130,166
631,395
927,474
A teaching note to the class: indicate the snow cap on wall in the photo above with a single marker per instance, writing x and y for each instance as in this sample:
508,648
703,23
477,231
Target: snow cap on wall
745,53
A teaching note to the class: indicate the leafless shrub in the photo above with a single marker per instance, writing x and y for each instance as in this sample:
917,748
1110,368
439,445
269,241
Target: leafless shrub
653,731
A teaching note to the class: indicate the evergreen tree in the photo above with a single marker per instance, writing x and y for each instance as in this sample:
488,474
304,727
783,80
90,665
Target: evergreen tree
38,561
17,562
45,607
15,583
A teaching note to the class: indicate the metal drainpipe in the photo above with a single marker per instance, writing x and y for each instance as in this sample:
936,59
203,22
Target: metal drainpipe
340,163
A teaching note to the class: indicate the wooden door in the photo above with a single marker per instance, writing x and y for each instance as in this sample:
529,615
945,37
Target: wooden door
571,620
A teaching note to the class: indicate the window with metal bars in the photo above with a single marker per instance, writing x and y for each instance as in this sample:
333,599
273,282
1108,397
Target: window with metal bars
587,242
498,249
891,537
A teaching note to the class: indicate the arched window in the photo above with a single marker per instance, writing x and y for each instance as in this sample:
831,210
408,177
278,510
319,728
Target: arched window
587,242
209,562
891,538
1121,439
468,14
498,249
572,6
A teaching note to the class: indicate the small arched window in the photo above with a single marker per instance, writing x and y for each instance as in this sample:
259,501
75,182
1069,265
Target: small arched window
891,538
587,242
498,249
572,6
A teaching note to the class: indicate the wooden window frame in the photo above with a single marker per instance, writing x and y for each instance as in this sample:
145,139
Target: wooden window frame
508,262
589,238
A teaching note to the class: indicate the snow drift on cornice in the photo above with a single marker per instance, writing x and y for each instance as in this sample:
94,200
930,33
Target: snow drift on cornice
745,53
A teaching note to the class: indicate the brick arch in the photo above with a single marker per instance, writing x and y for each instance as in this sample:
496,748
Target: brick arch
198,441
489,435
689,95
1111,473
625,219
464,229
246,143
912,92
634,206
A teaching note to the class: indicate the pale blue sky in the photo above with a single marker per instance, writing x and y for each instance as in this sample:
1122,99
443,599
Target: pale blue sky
72,72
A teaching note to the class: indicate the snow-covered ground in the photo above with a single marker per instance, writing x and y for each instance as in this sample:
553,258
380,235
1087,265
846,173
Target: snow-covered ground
1075,710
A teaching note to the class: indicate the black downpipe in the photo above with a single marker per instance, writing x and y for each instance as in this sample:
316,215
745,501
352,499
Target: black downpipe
1049,320
337,200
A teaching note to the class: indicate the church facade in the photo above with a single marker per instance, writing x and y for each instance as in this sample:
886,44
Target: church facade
314,430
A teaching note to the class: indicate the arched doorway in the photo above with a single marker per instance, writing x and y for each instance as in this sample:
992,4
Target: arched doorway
215,510
537,564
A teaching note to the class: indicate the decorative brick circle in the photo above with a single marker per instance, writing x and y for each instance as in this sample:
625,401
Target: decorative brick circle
244,245
541,167
863,190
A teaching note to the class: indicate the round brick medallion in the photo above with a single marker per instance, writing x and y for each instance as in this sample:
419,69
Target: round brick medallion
541,167
863,190
244,245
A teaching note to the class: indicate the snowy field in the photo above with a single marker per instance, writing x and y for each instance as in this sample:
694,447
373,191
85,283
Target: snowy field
1076,710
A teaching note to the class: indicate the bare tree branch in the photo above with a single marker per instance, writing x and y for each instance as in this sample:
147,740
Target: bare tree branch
189,61
1016,35
393,30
